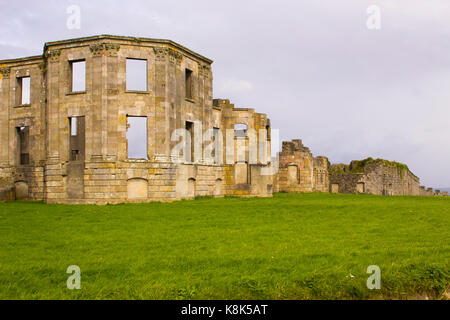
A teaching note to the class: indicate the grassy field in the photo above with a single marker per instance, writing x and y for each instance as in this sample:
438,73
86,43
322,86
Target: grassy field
308,246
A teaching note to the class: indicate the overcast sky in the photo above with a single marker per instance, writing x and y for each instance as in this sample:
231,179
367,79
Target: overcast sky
312,65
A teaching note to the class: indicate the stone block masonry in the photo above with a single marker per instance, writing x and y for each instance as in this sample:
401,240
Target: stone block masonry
299,171
71,145
71,140
375,176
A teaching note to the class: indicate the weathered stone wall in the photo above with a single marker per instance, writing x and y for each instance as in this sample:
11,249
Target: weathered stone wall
426,192
299,171
102,172
376,177
245,174
6,186
28,177
94,166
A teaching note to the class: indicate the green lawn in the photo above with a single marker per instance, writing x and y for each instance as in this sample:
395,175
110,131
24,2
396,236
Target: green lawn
287,247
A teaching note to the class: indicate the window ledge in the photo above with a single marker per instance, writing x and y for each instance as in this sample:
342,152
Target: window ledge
23,105
137,91
136,160
75,93
190,100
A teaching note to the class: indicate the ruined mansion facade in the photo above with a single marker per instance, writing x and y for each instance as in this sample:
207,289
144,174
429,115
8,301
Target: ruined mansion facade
64,139
112,119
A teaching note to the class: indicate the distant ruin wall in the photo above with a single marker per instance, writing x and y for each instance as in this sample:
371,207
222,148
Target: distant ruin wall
299,171
379,177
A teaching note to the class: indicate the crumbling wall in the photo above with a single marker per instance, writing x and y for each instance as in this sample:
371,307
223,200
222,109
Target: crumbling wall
370,176
245,173
299,171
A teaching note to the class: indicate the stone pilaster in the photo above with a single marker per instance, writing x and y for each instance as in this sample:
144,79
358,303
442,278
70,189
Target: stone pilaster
4,111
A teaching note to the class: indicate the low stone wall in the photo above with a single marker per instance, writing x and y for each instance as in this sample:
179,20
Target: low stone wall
345,183
377,177
139,181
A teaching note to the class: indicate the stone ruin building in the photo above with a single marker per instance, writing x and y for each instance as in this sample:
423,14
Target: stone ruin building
299,171
63,138
79,127
374,176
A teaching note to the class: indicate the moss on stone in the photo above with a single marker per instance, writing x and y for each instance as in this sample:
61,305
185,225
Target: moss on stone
358,166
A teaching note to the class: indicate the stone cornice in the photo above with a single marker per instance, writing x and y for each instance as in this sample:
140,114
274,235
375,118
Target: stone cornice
30,60
130,40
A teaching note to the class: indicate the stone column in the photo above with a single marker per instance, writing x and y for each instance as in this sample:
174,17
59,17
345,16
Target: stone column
4,111
98,113
53,93
160,146
112,105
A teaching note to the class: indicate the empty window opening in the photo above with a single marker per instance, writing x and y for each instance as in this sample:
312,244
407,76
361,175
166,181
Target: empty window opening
73,126
191,188
137,137
136,70
23,135
24,87
240,133
77,138
268,132
78,72
240,130
189,84
214,153
189,142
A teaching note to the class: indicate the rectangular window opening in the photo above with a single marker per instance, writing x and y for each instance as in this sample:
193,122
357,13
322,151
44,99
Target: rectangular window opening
73,126
240,130
24,88
188,84
215,153
137,137
136,74
78,76
77,138
189,147
24,136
